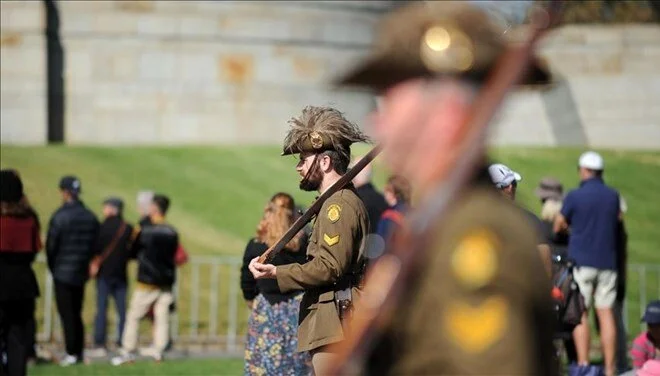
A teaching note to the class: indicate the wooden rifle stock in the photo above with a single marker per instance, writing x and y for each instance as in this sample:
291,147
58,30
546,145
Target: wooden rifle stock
316,206
386,279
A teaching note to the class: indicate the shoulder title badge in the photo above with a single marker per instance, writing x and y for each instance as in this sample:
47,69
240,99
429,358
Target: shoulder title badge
334,212
474,262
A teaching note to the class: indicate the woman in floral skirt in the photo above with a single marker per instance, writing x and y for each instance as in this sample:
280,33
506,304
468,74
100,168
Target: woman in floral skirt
272,327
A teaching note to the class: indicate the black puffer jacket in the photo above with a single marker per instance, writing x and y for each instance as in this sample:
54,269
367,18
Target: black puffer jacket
72,233
155,248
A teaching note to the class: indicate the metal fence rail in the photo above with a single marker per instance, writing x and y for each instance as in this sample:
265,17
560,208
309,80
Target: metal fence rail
207,295
210,311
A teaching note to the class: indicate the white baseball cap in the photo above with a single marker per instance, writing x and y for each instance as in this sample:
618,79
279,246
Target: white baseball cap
502,176
591,160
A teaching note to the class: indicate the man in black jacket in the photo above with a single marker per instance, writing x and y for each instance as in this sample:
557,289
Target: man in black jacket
113,247
72,233
373,200
155,247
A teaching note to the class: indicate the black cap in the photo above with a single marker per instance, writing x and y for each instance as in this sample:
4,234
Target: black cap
71,183
115,202
652,313
11,187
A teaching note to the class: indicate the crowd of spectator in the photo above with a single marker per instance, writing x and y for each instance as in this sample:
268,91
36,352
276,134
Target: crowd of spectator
584,226
79,248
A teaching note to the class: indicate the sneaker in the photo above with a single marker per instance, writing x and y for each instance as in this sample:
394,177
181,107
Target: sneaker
69,360
122,359
152,353
97,352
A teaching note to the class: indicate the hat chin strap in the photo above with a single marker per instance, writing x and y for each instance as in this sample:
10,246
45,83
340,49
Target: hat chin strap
311,168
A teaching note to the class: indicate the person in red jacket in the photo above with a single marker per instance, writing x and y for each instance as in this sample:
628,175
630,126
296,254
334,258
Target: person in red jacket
19,243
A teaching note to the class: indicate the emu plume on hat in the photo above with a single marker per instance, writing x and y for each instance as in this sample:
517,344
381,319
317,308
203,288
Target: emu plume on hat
319,129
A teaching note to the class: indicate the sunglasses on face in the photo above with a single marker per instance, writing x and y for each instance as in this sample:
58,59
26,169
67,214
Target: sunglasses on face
501,186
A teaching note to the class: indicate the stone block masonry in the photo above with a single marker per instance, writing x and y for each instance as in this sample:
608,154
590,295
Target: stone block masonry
22,73
176,72
224,72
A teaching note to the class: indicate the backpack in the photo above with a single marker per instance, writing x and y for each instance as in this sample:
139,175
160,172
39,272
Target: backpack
567,300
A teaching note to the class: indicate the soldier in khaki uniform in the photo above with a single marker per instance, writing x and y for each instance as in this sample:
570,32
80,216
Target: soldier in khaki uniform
479,301
332,275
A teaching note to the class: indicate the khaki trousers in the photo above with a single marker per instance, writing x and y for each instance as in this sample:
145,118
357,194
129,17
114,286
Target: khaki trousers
321,360
141,301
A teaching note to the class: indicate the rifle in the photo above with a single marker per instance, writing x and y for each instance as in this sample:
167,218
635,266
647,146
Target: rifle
386,280
318,203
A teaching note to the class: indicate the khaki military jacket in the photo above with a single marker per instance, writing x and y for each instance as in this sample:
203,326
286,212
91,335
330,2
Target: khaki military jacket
335,250
480,303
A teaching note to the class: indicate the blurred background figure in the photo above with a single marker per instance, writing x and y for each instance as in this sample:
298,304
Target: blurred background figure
397,194
155,247
622,363
19,243
506,181
272,328
550,193
592,214
646,346
143,201
72,233
113,249
372,199
33,357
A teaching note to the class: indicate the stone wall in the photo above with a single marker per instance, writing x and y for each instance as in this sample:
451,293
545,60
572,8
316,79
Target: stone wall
22,73
196,72
607,92
204,72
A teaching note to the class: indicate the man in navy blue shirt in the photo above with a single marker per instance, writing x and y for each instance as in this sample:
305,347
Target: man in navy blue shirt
592,213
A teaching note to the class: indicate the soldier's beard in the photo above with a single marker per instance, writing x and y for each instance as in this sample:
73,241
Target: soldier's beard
312,180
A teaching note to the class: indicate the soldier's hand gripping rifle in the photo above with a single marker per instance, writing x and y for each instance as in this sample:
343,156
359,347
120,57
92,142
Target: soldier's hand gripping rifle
318,203
387,278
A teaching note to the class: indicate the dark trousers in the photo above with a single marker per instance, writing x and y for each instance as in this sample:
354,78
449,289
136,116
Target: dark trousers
15,317
32,336
104,289
622,364
69,300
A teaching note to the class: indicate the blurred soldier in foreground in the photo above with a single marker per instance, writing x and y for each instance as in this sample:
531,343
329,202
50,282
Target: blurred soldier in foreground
479,302
333,273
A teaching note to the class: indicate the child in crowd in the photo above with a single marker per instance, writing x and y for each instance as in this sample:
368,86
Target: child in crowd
646,346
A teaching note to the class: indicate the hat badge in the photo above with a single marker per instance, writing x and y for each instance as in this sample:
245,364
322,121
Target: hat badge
316,140
446,48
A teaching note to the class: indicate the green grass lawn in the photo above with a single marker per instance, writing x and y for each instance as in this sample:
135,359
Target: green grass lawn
191,367
218,194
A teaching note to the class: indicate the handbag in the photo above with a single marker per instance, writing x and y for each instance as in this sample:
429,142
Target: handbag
97,260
